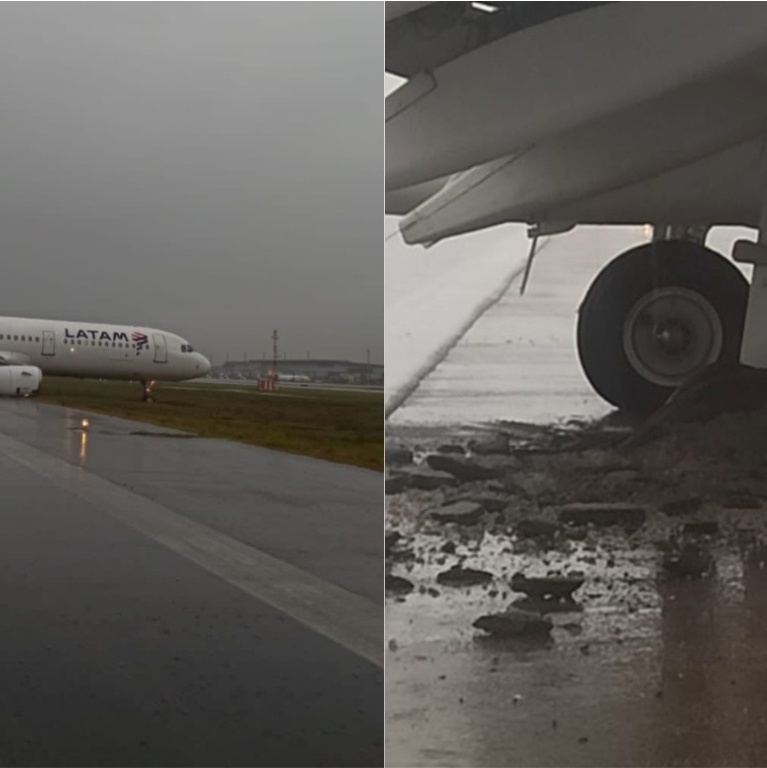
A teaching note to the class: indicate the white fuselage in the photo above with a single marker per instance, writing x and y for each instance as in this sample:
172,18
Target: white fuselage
98,350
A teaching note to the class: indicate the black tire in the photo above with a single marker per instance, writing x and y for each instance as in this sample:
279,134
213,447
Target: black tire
606,308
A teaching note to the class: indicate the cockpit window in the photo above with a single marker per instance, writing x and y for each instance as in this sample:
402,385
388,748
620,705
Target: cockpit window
186,348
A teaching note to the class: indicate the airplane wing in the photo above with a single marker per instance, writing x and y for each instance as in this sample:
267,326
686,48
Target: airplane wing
14,358
580,112
557,114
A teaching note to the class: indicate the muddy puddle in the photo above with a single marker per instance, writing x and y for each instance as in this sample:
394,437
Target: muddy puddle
660,655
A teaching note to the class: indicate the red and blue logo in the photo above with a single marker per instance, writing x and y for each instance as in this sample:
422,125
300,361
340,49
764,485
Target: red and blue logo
140,339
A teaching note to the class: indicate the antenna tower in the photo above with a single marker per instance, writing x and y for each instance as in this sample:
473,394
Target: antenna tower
275,339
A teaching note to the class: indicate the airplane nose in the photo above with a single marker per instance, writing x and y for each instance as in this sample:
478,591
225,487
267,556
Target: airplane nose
202,364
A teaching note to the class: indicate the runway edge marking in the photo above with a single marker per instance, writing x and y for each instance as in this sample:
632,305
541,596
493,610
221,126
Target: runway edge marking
345,618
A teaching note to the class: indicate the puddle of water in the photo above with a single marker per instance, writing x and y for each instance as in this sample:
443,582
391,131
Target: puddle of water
651,672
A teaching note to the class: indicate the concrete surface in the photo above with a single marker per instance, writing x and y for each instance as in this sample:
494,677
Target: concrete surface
519,360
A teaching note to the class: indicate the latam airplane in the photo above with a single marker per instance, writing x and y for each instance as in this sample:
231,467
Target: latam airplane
30,348
558,114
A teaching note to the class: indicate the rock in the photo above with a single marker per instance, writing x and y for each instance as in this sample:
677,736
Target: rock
531,484
687,562
552,587
395,484
544,606
463,469
631,517
425,479
511,486
448,548
684,506
497,445
463,577
702,528
576,532
452,448
532,528
460,512
490,504
716,389
396,585
514,623
397,456
740,500
391,538
618,479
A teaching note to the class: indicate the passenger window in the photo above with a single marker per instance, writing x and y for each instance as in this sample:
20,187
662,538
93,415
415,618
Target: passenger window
93,343
37,338
113,344
15,337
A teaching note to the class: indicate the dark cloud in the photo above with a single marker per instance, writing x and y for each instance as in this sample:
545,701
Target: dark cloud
209,168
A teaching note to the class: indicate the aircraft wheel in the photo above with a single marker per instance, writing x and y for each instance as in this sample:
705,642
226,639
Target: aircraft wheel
654,316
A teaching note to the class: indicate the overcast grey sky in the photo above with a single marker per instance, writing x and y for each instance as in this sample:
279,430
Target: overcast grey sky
213,169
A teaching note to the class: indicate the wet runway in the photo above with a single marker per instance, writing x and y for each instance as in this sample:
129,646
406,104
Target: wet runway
179,601
519,360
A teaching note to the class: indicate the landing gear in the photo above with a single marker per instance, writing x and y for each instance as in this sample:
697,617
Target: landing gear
148,396
656,315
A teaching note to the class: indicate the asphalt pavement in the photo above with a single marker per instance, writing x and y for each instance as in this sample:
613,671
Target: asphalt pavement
179,601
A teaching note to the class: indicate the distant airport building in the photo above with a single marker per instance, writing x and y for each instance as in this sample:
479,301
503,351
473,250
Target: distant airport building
330,371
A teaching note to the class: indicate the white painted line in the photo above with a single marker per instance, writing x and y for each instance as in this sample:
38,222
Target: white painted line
399,396
345,618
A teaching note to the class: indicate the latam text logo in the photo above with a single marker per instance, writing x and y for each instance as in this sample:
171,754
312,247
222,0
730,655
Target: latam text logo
140,339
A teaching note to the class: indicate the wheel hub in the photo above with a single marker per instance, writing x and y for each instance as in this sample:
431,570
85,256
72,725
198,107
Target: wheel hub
673,336
670,333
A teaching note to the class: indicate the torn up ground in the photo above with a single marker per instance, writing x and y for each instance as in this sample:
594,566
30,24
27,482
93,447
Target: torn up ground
585,594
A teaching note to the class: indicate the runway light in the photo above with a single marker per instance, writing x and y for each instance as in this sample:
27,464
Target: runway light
85,424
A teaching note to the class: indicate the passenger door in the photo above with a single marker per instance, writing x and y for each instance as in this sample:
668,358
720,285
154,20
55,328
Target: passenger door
49,343
160,348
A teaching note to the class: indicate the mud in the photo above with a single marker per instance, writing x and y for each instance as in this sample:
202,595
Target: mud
661,659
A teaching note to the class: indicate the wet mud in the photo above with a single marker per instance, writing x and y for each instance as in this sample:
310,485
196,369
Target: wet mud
641,566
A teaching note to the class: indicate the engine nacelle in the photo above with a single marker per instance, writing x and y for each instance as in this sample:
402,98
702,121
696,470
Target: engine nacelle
19,380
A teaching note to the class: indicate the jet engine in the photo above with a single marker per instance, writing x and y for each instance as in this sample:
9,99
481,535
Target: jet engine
20,380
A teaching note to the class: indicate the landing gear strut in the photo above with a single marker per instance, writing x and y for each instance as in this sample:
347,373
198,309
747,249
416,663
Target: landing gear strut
148,396
656,315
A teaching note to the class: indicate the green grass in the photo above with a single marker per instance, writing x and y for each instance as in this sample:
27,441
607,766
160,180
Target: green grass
336,425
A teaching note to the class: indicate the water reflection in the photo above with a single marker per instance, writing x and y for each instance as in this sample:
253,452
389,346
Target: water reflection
83,447
715,669
682,681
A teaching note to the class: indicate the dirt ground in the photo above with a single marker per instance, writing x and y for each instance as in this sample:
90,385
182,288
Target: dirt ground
659,656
